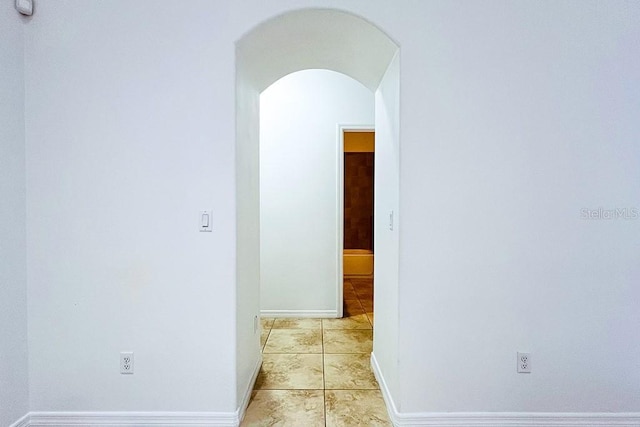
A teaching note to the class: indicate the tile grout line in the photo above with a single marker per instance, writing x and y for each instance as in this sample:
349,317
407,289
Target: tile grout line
324,383
360,297
267,338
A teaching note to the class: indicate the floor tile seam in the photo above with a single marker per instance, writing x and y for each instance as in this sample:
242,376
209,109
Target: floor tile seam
333,354
360,302
345,328
317,389
324,373
290,389
351,389
302,354
362,352
324,382
324,403
266,339
368,318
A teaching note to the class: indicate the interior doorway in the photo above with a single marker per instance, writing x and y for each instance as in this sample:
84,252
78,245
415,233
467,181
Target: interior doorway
358,144
349,44
306,168
358,218
319,366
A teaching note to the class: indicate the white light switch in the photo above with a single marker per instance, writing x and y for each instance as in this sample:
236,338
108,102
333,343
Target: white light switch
205,221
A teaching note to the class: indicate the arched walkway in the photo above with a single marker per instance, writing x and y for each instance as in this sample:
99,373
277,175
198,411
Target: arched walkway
295,41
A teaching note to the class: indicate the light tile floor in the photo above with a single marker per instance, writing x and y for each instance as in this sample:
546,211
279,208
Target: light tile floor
316,372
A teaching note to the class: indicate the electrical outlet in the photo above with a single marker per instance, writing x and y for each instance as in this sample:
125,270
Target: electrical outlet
126,362
524,363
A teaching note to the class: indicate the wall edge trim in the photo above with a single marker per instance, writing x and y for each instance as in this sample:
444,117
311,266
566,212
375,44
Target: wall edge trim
517,419
384,389
242,409
300,313
117,418
22,421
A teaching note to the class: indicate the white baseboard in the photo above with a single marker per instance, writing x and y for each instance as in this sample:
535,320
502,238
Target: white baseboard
399,419
247,394
386,394
141,419
210,419
518,419
499,419
22,422
300,313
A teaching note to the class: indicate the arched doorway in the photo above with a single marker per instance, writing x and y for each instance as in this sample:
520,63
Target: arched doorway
295,41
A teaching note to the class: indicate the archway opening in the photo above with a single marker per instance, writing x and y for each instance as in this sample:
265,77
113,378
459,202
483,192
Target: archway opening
296,41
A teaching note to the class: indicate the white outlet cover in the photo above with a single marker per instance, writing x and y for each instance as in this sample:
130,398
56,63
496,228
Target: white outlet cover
126,362
524,363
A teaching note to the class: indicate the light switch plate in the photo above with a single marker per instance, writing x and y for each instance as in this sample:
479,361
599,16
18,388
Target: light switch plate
205,220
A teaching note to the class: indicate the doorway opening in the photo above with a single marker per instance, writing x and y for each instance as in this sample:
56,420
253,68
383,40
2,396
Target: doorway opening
303,40
358,219
359,184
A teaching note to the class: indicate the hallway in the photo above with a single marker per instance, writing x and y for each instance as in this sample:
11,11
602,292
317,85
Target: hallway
316,372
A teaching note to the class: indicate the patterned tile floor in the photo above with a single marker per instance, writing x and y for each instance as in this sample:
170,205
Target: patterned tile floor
316,372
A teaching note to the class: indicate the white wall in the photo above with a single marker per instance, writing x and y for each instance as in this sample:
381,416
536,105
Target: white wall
13,281
130,132
386,244
248,355
514,116
299,165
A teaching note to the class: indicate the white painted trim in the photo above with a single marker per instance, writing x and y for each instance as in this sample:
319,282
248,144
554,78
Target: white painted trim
176,419
155,419
432,419
299,313
242,409
357,128
340,220
341,129
384,389
499,419
518,419
22,422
